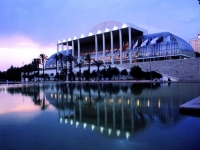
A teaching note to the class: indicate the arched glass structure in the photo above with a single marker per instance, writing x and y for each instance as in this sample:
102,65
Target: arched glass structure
160,45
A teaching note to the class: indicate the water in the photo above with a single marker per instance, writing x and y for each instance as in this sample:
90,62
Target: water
98,116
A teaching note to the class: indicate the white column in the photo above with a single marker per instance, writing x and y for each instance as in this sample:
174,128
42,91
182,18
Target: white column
129,44
78,50
111,40
96,48
57,54
120,45
104,49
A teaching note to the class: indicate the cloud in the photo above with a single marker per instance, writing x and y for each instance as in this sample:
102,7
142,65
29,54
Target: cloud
19,49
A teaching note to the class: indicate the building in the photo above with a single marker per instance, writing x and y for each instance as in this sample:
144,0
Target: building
119,43
195,43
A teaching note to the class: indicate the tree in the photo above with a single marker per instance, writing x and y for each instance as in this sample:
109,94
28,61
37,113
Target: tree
69,58
136,72
88,58
98,63
124,72
56,58
43,58
61,57
80,64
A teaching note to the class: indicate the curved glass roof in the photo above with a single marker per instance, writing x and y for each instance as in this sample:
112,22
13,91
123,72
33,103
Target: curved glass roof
167,37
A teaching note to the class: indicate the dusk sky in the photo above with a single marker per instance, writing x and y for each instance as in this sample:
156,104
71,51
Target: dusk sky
31,27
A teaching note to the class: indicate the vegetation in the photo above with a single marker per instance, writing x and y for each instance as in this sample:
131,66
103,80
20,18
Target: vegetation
43,58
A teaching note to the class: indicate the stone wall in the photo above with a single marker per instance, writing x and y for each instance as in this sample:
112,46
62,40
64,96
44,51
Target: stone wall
183,69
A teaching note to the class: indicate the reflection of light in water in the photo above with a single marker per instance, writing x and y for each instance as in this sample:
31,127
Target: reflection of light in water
109,131
93,127
128,102
101,129
84,125
118,133
77,123
71,122
60,96
65,121
51,95
138,102
86,99
5,90
127,135
65,96
55,95
69,96
119,101
74,97
60,120
158,103
111,100
148,103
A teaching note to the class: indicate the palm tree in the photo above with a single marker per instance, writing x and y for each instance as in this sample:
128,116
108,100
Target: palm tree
98,63
80,64
69,58
88,58
61,57
56,58
43,58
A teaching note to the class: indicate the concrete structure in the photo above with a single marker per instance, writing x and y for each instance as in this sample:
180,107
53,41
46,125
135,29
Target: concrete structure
125,45
195,43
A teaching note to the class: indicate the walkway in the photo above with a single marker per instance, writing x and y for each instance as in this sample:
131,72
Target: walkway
192,107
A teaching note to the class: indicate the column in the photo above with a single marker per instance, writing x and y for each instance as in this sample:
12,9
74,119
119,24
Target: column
120,45
104,48
111,40
129,44
96,48
78,51
57,54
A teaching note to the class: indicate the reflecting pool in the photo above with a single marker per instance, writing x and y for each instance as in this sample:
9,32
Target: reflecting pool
98,116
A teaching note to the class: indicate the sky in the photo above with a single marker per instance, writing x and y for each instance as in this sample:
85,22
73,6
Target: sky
31,27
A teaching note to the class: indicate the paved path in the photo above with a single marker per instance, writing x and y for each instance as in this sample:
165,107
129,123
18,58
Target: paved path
191,107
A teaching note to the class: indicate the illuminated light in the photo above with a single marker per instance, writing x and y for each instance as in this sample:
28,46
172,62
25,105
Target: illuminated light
82,36
99,32
65,121
90,34
59,42
84,125
109,132
115,28
71,122
93,127
124,25
148,103
138,102
118,133
69,39
158,103
107,30
75,38
119,101
64,40
127,135
55,95
77,123
60,120
101,129
128,102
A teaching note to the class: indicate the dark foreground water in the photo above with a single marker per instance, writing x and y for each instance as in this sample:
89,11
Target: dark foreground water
98,116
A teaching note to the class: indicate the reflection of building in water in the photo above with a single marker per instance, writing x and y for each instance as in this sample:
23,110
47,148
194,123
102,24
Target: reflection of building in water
114,114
